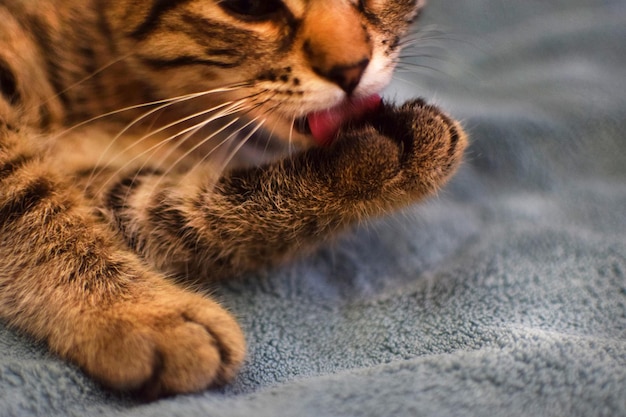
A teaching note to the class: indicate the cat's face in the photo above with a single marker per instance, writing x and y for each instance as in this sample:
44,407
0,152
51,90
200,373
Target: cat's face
282,58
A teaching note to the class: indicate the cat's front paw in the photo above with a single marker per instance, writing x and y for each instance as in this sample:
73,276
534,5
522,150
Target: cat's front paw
431,143
399,155
165,343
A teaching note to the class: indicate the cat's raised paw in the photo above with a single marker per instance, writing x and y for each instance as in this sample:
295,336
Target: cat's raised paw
396,156
431,143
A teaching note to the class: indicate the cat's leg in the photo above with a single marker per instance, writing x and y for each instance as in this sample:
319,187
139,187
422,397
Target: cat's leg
258,216
66,279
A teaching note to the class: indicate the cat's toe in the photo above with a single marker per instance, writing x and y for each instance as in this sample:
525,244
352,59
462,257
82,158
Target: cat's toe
201,348
176,343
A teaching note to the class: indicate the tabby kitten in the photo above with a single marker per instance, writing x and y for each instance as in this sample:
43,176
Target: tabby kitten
148,139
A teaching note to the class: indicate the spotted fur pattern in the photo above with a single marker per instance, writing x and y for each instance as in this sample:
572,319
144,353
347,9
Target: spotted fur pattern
148,139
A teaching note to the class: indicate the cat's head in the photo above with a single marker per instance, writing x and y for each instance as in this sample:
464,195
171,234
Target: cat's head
283,59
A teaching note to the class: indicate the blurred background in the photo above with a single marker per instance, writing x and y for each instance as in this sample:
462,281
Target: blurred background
540,85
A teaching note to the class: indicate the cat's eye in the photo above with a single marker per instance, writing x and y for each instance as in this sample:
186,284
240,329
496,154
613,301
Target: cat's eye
252,9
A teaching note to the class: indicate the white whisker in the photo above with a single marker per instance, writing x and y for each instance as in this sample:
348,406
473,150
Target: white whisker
233,107
172,166
237,107
201,143
195,148
142,139
270,136
290,142
422,55
242,142
169,101
412,67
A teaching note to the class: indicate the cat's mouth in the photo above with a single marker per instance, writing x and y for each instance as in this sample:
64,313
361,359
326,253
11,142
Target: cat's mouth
324,125
319,128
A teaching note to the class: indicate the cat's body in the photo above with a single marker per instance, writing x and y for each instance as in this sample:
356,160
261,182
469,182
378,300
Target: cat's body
94,215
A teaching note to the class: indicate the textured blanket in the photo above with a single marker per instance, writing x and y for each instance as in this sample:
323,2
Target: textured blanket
503,296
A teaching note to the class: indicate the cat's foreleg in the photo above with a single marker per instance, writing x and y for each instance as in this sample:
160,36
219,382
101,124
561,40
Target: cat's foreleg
67,279
258,216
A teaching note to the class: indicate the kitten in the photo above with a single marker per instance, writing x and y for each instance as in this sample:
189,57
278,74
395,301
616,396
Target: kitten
148,139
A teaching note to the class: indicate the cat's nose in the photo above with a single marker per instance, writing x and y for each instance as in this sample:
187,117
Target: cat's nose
347,77
335,43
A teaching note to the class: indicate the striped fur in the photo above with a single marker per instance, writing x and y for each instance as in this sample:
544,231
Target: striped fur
123,160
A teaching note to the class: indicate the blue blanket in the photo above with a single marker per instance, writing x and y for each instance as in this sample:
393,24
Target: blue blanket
503,296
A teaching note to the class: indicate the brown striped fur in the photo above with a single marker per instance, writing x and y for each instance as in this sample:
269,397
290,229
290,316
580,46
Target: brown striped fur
98,205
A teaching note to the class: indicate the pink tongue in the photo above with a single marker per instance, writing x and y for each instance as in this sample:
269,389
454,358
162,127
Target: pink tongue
325,124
